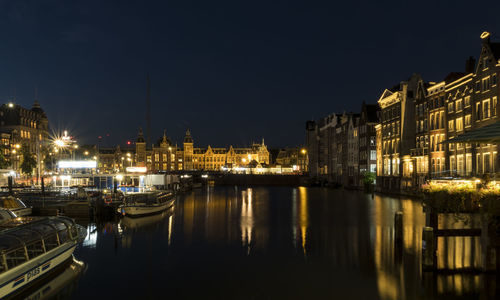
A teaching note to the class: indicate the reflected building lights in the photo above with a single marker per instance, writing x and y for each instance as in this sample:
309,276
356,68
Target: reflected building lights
246,220
170,221
303,214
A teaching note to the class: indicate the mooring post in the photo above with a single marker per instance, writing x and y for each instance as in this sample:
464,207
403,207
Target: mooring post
398,227
9,182
398,237
43,186
428,249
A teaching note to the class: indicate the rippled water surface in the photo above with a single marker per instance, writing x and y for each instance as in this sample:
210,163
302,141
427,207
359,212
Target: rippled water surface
272,243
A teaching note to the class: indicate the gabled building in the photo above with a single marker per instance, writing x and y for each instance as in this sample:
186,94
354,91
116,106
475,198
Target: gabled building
367,139
459,116
397,134
485,103
352,179
420,154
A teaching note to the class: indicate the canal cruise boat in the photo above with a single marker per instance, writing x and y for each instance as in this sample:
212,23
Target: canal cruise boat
147,203
32,248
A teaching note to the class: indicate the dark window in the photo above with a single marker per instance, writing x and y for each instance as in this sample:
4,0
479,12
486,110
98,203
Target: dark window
35,249
15,258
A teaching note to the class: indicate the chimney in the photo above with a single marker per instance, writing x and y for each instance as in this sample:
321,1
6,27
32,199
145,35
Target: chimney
469,65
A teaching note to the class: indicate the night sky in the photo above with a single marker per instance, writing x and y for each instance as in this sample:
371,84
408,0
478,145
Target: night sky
231,71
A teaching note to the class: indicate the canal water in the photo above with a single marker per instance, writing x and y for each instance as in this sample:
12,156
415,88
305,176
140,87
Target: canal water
271,243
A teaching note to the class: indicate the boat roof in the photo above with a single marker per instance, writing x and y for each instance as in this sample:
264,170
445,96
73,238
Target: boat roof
17,232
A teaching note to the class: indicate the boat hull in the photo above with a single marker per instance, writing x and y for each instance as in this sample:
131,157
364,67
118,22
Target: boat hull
22,276
145,209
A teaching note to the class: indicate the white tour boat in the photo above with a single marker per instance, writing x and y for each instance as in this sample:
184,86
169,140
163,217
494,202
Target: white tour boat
143,204
30,249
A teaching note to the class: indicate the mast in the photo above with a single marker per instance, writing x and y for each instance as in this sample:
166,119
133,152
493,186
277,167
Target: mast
148,110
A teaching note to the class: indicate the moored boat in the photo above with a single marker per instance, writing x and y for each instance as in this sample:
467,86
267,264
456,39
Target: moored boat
133,224
31,249
143,204
59,286
6,215
15,205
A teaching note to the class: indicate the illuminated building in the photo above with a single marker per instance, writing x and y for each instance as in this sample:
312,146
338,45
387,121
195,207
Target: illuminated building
22,126
367,138
397,134
312,148
165,156
162,156
484,106
471,104
333,149
352,178
458,107
290,157
214,159
420,154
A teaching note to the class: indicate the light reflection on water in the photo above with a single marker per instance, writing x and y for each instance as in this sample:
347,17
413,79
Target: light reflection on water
277,242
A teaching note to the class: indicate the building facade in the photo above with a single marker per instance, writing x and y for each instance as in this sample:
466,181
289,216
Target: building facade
367,139
397,134
23,127
164,156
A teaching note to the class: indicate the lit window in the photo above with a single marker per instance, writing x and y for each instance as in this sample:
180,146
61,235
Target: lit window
451,125
486,109
467,101
460,124
450,107
494,105
467,120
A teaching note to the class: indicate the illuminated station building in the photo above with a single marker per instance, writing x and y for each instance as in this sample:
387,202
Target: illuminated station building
165,156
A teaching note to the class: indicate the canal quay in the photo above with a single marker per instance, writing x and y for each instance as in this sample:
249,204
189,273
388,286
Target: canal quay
233,242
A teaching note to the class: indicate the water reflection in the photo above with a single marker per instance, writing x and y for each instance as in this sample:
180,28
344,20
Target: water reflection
246,218
300,220
60,286
275,243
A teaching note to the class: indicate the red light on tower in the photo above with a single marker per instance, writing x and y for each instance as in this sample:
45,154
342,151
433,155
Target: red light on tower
128,143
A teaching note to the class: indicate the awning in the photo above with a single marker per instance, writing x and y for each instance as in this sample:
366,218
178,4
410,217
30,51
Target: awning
489,134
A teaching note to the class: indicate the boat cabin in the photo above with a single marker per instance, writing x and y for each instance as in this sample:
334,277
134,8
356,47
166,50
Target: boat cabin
23,239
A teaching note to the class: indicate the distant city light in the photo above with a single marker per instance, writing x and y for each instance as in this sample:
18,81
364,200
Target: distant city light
77,164
59,143
136,169
11,105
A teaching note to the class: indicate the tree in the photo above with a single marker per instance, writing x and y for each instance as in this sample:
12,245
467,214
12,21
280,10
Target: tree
369,178
4,161
29,161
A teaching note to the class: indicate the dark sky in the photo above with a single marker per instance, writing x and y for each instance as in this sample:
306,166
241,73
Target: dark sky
231,71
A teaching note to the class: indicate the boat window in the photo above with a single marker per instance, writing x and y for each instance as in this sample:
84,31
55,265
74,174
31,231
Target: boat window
74,233
2,266
51,242
63,236
35,249
15,257
8,242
